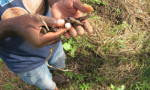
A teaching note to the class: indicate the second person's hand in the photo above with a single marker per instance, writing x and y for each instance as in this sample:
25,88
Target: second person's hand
72,8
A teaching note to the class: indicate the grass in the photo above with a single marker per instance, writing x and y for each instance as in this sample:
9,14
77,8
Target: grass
115,57
123,48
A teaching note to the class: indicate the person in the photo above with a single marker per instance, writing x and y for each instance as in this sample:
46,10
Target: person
22,45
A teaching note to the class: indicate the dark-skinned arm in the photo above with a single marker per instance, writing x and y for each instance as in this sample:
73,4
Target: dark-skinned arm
5,29
29,27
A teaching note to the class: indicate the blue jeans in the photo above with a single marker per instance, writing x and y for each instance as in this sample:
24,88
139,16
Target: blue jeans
41,76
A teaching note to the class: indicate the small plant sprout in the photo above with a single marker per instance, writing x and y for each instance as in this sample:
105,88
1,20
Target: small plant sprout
122,87
70,46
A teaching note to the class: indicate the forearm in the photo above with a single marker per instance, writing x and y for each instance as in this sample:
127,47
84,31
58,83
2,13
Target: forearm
5,29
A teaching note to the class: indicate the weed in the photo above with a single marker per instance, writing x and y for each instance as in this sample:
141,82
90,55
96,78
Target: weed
94,17
70,45
93,1
118,11
104,2
79,77
13,80
8,86
69,74
117,88
122,43
142,85
84,86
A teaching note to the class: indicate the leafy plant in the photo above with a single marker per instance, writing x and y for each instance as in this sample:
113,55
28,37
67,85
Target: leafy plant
67,46
98,2
104,2
142,85
8,86
71,46
93,1
84,86
79,77
69,74
117,88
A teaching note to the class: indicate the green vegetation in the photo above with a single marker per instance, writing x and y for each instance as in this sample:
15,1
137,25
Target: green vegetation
117,55
95,1
71,46
1,60
9,85
117,88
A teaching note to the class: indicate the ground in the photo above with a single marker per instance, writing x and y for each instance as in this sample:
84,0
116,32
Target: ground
115,56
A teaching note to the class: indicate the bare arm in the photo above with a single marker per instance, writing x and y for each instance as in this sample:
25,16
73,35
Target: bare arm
5,29
29,27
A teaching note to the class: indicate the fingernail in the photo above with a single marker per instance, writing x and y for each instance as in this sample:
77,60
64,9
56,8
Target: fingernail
92,9
67,25
61,21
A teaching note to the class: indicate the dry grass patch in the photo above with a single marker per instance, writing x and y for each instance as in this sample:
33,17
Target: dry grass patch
122,38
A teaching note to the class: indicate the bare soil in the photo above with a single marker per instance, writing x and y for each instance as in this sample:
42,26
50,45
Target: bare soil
107,63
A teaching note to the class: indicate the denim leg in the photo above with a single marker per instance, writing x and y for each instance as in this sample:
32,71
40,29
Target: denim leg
58,59
40,77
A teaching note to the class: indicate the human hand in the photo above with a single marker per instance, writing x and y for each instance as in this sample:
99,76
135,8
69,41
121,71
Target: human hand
72,8
29,27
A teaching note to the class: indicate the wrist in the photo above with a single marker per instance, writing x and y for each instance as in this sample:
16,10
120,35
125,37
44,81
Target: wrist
6,29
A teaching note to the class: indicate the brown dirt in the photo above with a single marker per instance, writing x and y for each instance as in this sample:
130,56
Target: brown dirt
10,81
137,14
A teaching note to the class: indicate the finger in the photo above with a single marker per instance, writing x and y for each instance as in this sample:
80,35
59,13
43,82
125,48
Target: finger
83,8
67,35
88,27
73,32
53,35
80,30
52,21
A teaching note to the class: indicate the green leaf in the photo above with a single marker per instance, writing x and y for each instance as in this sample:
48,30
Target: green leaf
67,46
87,4
112,86
118,11
94,16
104,3
122,46
122,87
73,53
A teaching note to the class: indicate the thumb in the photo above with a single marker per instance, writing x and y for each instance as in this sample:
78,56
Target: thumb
83,8
52,21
